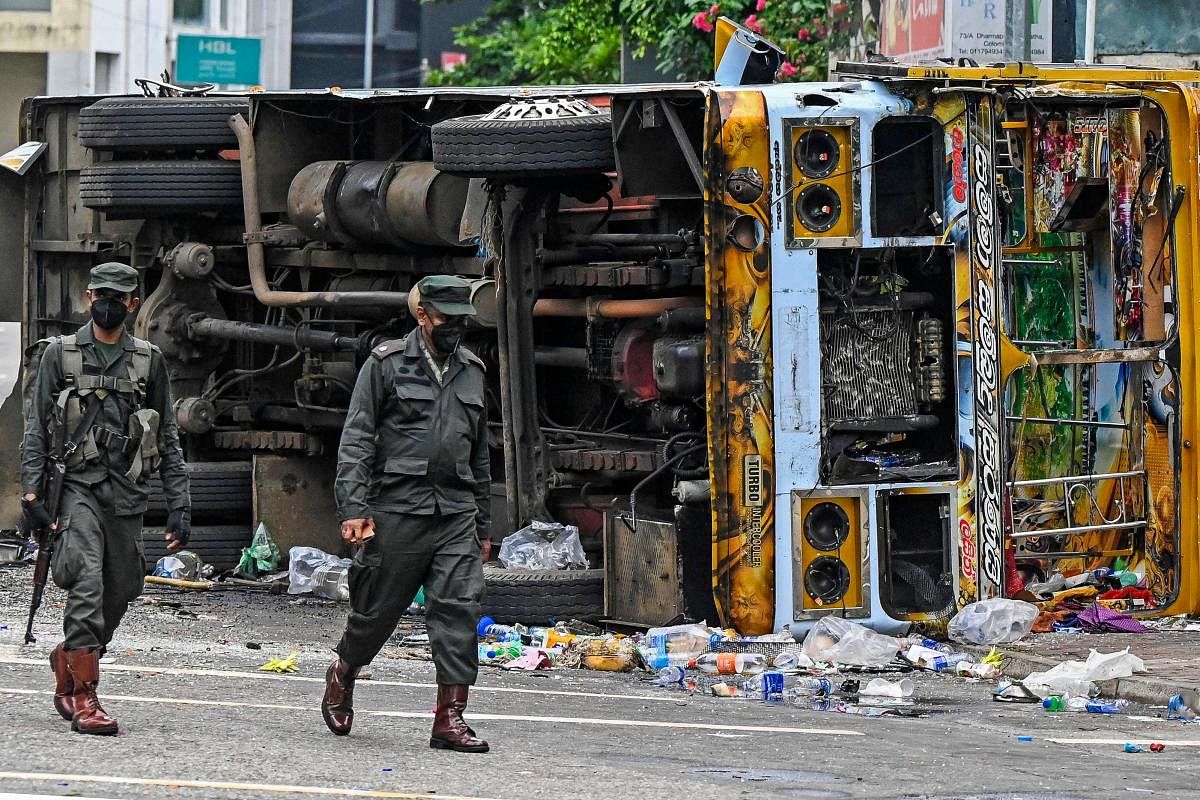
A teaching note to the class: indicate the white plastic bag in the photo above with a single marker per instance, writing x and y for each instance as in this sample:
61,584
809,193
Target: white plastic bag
543,545
1078,677
311,569
841,641
994,621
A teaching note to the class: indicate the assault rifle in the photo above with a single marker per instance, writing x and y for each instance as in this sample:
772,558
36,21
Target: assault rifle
56,473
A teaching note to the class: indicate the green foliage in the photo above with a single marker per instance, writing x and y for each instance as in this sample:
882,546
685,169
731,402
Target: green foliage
578,41
519,42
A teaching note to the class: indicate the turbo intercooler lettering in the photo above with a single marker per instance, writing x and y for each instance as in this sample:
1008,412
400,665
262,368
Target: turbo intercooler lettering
986,351
740,393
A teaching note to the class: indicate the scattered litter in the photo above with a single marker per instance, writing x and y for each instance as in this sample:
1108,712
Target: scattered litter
1098,619
543,546
1024,738
530,660
842,641
995,621
313,570
882,687
1179,622
1184,708
179,583
608,654
1078,677
1157,747
262,556
281,665
254,645
183,565
1130,747
1014,692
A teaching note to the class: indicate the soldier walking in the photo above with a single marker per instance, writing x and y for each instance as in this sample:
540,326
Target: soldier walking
100,402
412,492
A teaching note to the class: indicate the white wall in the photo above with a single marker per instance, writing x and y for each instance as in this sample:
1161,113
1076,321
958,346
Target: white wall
136,31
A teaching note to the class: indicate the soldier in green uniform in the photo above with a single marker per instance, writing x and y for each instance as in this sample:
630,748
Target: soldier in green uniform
107,396
412,492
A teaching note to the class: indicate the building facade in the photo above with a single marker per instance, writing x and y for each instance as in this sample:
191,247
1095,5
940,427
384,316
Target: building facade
81,47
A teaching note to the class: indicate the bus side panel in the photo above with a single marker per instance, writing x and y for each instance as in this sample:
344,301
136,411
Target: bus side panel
12,238
740,387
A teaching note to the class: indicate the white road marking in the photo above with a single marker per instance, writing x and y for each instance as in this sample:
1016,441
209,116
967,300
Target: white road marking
636,723
8,796
1133,739
175,783
222,673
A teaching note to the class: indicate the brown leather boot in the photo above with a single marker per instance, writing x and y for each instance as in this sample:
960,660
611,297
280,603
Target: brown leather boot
450,732
64,686
337,707
89,717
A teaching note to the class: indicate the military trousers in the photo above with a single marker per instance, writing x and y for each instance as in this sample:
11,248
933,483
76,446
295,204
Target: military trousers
98,559
438,551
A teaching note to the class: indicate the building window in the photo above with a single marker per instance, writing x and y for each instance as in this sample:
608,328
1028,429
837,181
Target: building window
25,5
191,12
107,76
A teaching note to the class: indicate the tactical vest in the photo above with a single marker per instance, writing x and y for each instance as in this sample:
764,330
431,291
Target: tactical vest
139,441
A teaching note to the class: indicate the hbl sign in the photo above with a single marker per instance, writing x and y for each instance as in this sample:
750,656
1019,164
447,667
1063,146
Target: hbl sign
217,59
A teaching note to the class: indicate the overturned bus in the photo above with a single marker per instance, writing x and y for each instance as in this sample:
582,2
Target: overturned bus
874,347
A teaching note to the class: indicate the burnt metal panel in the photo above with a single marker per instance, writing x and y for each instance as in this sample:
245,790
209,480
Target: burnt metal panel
293,496
642,581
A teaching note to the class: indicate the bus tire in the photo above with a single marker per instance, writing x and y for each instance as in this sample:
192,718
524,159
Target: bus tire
523,148
219,545
220,493
155,188
543,597
160,123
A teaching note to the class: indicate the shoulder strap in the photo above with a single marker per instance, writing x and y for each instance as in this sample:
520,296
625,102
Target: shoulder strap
70,358
472,358
138,362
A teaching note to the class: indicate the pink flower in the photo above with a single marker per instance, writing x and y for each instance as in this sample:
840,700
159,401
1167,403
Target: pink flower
716,9
787,69
837,9
753,24
700,22
803,35
761,5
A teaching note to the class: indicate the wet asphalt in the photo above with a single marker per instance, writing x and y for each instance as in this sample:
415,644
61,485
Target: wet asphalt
199,720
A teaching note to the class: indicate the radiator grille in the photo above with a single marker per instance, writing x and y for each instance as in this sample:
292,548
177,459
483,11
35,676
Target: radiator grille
867,367
642,582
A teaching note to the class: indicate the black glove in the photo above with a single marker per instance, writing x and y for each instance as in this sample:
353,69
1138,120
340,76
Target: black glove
35,515
179,528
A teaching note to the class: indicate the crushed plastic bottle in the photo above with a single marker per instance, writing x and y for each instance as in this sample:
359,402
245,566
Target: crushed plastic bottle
1101,707
791,660
765,686
672,677
504,633
487,652
730,663
809,687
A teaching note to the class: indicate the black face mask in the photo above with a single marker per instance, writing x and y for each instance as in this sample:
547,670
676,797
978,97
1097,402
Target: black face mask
109,313
445,337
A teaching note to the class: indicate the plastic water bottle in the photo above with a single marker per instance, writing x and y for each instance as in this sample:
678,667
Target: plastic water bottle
1054,703
505,633
765,686
810,687
671,676
676,645
1101,707
932,644
730,663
